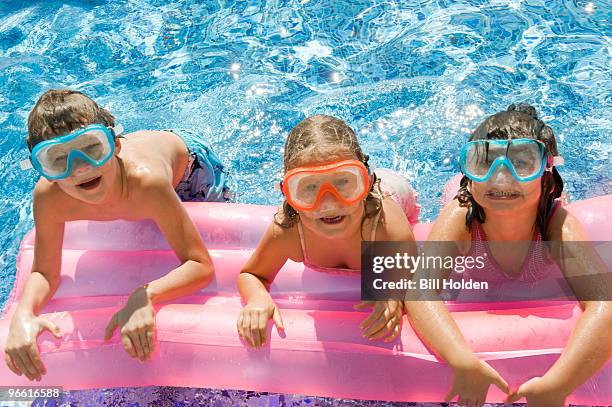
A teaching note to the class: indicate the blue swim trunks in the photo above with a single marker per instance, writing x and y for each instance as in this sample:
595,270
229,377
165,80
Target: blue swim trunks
205,178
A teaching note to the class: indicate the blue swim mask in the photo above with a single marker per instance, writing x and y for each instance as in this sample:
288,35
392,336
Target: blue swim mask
55,158
525,158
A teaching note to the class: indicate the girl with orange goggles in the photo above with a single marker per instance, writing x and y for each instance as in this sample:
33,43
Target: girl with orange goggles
332,203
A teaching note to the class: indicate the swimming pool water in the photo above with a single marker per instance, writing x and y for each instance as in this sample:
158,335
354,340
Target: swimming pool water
185,397
411,77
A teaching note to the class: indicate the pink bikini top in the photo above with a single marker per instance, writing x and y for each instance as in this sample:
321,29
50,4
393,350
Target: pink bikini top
540,277
333,270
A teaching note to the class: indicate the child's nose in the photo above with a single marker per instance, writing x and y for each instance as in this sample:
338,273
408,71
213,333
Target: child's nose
502,174
81,167
328,201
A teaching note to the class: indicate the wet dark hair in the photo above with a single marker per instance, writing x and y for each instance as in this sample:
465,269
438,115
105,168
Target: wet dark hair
516,122
323,136
61,111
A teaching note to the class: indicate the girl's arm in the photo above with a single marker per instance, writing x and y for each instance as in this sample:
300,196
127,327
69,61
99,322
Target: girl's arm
434,324
590,344
255,279
385,320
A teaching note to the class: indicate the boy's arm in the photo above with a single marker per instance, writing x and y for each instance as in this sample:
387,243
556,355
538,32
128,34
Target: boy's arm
21,351
196,269
589,346
47,263
136,320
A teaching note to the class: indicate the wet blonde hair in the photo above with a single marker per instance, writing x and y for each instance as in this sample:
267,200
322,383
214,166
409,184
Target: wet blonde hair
323,136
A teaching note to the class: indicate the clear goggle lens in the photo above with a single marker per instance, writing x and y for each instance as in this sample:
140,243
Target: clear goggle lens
525,157
304,188
54,159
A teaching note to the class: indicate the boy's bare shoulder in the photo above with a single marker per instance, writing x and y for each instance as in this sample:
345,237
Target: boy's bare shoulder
150,185
146,132
152,156
154,139
148,179
50,201
45,192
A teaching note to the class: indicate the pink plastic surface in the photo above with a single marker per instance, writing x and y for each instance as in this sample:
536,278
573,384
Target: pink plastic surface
322,351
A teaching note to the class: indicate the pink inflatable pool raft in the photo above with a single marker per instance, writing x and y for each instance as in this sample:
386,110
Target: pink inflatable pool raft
322,351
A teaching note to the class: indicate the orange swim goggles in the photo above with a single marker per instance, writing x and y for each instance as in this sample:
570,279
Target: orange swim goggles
304,187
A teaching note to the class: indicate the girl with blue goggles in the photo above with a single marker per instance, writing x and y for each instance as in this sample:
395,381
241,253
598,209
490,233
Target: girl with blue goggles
525,158
55,158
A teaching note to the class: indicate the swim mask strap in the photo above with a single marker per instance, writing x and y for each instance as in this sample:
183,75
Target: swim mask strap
117,131
371,171
554,161
278,186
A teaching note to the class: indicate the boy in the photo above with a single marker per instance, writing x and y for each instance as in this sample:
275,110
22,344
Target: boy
90,172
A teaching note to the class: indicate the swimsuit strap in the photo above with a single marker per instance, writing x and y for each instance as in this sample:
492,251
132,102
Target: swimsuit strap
375,226
301,234
381,196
